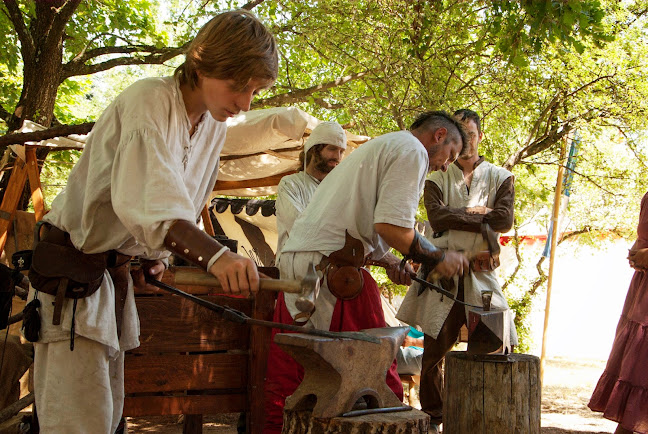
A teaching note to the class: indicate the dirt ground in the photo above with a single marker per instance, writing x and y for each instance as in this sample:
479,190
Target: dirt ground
567,388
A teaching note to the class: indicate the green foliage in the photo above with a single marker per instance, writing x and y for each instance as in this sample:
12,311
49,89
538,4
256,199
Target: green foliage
524,27
56,171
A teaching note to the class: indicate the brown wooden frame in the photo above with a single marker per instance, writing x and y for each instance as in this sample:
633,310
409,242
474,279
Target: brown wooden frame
192,362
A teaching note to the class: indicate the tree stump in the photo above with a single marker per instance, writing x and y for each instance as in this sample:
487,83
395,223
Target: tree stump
491,393
401,422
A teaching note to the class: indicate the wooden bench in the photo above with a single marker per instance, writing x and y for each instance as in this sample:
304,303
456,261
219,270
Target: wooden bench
192,362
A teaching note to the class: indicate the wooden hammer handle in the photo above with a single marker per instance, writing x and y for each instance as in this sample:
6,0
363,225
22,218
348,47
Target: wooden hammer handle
202,278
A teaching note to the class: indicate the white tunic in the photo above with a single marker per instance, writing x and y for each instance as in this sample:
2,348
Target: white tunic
139,172
430,310
293,194
380,182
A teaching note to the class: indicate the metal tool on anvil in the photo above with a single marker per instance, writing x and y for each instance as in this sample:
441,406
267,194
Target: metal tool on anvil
239,317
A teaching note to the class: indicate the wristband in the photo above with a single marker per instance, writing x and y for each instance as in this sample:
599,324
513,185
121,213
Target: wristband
216,256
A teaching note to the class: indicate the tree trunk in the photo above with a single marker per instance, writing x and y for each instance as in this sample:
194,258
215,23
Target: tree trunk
491,394
42,66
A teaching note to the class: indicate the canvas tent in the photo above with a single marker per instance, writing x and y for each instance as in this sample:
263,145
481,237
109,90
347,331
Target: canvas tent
261,147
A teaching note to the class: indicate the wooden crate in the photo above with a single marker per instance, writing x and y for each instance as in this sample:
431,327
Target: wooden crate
192,362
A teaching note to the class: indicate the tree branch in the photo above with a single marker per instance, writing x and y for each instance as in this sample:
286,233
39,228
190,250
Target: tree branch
298,95
36,136
161,55
582,175
539,145
250,5
61,18
83,57
16,17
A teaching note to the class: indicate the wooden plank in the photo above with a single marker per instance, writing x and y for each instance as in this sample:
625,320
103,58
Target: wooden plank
34,182
176,372
519,385
170,323
193,404
207,223
192,424
259,348
535,393
497,397
456,393
267,181
475,413
11,197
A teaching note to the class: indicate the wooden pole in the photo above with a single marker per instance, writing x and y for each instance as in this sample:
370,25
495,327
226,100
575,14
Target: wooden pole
552,253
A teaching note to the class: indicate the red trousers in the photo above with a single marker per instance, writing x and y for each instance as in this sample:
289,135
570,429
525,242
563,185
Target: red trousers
284,374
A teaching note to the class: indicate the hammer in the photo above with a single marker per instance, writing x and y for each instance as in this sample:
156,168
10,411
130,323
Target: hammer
305,287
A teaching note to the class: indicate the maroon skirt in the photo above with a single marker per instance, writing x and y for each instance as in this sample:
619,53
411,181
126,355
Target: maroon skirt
622,391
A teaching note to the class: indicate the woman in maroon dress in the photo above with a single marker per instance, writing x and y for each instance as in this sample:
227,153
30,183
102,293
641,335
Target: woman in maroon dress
622,391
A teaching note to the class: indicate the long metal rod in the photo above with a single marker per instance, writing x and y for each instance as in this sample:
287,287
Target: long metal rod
239,317
354,413
423,282
440,290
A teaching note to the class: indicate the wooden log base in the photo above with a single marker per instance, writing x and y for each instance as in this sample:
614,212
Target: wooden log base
403,422
491,394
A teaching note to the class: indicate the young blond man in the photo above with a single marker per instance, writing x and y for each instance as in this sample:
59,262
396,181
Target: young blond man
148,168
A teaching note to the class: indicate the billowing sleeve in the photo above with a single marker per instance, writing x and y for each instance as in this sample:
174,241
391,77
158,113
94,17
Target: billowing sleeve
289,204
400,184
147,190
500,218
443,217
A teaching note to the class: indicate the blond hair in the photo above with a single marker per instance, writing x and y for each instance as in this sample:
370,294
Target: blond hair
233,45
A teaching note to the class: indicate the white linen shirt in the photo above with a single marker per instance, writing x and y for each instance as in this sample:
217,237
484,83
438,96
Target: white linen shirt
140,171
380,182
293,194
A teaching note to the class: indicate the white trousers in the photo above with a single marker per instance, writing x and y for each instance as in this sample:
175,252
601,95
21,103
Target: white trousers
80,391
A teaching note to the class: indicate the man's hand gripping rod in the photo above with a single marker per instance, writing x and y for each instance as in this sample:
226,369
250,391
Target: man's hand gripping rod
424,283
239,317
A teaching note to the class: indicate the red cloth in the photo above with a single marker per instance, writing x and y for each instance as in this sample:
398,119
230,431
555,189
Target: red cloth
622,391
284,374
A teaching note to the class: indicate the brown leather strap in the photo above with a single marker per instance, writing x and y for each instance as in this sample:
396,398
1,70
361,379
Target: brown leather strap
58,301
119,276
188,241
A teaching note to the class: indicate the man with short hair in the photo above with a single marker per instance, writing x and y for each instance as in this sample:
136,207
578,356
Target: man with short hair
459,202
371,203
323,151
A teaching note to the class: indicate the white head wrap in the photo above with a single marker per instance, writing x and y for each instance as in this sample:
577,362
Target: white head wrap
329,133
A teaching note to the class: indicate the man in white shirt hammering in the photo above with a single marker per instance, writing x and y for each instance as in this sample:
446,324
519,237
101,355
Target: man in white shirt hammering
370,203
148,167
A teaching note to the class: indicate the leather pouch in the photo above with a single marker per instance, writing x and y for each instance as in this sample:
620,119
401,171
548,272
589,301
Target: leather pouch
484,261
343,276
53,262
345,282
